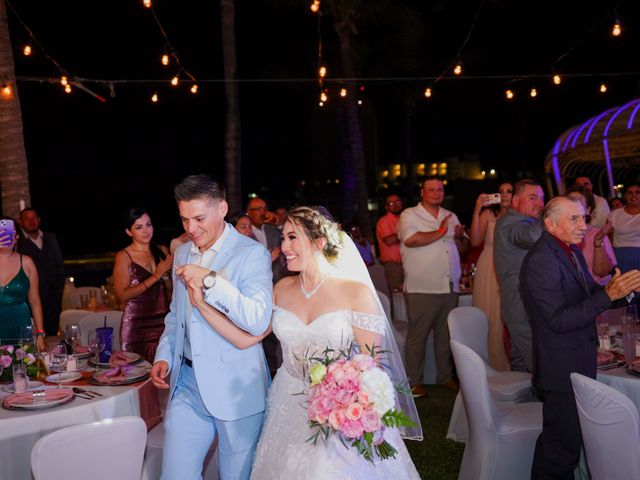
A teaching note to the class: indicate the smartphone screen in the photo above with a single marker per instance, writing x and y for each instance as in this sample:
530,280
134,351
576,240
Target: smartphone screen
7,227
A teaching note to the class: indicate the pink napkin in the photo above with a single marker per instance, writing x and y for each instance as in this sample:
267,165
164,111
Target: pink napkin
26,398
605,357
114,375
80,349
636,363
119,358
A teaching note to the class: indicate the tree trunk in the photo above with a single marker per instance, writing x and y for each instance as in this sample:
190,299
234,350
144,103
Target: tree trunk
14,172
232,133
345,30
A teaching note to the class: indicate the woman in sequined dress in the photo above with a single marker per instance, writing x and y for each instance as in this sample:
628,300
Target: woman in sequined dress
142,286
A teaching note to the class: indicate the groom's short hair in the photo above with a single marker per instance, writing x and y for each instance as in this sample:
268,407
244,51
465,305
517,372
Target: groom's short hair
197,187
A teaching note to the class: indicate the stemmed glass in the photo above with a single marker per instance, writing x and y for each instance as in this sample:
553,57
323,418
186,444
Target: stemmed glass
72,336
26,335
95,344
58,363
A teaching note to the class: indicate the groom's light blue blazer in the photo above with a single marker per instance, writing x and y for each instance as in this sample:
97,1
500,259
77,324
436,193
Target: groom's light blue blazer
233,383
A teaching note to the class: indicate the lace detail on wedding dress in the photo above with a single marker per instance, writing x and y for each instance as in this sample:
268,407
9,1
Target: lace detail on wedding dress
369,322
283,451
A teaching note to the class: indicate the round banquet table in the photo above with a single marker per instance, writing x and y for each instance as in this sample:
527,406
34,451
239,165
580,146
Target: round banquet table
20,429
622,381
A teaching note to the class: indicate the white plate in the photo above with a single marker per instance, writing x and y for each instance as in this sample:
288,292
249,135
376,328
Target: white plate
32,386
64,377
41,404
132,376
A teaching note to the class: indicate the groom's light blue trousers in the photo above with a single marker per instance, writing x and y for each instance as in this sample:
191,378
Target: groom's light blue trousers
189,431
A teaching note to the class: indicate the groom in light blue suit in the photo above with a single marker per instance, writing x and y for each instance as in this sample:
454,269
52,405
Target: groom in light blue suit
216,387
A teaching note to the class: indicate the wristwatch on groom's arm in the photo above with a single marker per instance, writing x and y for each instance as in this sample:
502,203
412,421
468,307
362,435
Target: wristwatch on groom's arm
210,279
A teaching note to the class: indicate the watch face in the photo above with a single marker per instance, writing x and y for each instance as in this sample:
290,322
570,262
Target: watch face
209,281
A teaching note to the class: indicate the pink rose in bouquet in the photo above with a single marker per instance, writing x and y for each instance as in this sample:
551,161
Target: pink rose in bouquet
352,397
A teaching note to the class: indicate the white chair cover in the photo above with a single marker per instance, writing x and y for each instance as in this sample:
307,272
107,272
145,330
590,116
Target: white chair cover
96,320
469,326
71,316
610,429
152,467
501,437
105,450
75,295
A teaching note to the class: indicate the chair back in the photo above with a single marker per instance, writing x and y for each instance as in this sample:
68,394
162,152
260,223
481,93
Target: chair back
105,450
469,326
480,407
96,320
386,304
610,429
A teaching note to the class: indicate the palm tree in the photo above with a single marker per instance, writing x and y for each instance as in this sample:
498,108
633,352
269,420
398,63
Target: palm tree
232,134
14,173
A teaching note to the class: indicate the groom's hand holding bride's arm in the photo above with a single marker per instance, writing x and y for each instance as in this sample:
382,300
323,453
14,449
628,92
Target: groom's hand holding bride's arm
220,323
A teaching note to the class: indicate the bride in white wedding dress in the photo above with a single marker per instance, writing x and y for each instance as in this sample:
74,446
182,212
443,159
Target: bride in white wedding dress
330,304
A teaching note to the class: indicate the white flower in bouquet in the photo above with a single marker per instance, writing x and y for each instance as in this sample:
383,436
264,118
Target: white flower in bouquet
378,387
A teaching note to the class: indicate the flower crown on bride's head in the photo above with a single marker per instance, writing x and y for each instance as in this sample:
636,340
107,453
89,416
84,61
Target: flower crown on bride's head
317,222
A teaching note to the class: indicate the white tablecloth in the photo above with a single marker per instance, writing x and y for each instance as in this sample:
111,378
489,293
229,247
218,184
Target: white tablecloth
20,430
622,381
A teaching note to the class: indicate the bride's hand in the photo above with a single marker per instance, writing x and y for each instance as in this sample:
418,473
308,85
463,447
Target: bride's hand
195,296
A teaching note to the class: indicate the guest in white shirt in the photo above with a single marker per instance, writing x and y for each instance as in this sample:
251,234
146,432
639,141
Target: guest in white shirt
432,240
626,230
602,210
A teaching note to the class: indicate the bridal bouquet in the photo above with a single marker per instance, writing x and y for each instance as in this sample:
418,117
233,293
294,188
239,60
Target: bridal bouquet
351,396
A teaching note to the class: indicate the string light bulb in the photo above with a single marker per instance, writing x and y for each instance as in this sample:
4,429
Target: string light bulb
6,89
322,71
533,93
154,97
194,88
458,69
427,92
359,102
165,59
557,79
175,80
603,88
343,92
321,104
323,97
509,94
146,3
315,6
64,81
617,29
27,50
67,88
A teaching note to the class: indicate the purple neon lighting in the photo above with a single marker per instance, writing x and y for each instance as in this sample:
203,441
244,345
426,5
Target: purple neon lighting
615,115
582,127
597,119
568,139
633,116
607,159
556,169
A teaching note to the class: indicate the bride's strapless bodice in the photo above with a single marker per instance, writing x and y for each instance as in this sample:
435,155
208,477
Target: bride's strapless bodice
329,330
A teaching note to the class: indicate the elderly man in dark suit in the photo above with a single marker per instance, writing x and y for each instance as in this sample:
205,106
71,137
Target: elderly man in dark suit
562,301
44,250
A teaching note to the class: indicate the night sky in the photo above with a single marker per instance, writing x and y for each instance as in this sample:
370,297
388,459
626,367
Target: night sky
89,160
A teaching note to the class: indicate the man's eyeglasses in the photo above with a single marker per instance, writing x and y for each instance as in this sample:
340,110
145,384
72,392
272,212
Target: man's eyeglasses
394,202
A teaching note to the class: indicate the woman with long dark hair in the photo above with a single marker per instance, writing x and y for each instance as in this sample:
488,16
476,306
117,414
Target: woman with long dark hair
142,286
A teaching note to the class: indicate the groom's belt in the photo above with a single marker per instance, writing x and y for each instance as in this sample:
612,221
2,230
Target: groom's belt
187,361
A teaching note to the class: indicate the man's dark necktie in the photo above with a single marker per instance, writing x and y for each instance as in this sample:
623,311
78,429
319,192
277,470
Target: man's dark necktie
583,279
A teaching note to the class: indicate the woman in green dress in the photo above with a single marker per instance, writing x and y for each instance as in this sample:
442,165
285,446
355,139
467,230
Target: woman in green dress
19,296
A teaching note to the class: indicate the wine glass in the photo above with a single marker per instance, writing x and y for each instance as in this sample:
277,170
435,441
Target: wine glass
58,364
72,336
95,344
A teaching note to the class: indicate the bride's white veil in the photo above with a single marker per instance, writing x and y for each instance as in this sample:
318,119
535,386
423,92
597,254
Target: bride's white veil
350,266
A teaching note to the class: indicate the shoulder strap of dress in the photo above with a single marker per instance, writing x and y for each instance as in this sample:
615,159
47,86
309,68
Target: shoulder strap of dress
125,251
20,260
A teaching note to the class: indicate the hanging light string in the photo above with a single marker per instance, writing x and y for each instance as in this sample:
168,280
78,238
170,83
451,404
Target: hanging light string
457,57
169,49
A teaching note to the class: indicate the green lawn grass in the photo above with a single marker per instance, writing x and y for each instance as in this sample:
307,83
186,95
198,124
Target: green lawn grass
436,458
